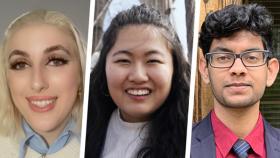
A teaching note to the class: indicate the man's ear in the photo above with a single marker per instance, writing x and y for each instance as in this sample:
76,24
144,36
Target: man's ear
203,69
273,68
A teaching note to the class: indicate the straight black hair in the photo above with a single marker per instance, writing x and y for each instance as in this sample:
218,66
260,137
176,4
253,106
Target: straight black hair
167,130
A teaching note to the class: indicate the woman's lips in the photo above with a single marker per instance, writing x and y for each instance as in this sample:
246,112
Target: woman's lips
138,93
41,103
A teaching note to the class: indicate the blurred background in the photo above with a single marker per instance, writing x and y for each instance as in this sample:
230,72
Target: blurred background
180,12
77,11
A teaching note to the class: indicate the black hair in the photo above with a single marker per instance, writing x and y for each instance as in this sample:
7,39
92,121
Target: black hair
167,130
233,18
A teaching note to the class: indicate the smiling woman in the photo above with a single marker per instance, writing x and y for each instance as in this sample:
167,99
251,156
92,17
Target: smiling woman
139,71
42,84
139,90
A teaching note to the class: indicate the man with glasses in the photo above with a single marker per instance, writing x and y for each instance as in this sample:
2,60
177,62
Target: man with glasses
238,64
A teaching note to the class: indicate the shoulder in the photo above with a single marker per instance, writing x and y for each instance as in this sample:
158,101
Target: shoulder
272,140
71,150
204,124
203,143
9,148
272,131
202,130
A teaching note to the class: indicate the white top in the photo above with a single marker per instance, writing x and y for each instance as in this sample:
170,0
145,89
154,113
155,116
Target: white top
123,139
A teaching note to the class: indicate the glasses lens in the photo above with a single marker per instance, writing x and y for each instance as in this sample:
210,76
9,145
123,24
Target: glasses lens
254,58
221,59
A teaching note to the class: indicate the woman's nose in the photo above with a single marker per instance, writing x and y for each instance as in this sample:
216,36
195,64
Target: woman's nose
39,80
138,73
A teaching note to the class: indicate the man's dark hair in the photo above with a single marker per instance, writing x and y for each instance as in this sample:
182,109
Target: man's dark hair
233,18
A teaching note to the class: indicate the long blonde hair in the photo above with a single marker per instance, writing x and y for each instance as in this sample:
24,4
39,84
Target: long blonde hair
10,117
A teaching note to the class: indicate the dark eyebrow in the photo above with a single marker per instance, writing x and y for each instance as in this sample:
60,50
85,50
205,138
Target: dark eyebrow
56,47
222,49
251,49
130,53
230,51
122,52
18,52
151,52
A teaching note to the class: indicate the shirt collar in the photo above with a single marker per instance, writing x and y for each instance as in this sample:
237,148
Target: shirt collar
224,137
255,138
37,143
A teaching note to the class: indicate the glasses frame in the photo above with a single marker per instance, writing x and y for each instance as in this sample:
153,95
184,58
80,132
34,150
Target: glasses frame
267,56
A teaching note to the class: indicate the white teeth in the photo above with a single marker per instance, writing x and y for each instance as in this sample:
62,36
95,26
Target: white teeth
42,103
139,92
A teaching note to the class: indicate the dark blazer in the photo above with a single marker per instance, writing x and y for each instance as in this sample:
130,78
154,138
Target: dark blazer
203,143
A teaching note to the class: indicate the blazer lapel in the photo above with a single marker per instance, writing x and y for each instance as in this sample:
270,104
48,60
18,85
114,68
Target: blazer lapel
272,141
203,143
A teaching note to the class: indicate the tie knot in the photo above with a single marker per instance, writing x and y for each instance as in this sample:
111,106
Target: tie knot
241,148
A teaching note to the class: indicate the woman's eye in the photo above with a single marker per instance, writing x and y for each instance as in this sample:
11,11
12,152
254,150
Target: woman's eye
122,61
57,61
19,65
154,61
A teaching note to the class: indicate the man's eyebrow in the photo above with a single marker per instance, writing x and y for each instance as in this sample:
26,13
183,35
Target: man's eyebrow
55,48
222,49
252,49
230,51
18,52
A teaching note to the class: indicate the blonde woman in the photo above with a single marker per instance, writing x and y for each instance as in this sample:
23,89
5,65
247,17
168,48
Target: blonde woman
42,71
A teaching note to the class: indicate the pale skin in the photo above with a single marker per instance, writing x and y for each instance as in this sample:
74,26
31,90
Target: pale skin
238,106
43,77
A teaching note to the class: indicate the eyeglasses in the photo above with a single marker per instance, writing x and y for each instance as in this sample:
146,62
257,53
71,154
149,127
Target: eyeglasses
254,58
